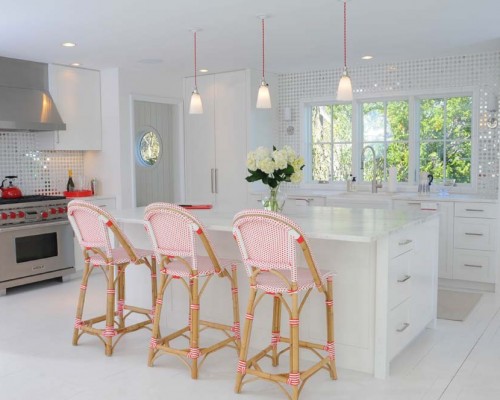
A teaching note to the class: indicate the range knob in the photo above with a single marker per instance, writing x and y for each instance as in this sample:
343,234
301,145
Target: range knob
12,215
53,211
60,210
4,216
45,214
21,214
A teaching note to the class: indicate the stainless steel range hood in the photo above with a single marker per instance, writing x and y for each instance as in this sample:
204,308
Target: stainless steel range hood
25,102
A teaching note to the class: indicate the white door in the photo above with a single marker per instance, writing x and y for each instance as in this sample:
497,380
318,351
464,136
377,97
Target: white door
200,143
154,127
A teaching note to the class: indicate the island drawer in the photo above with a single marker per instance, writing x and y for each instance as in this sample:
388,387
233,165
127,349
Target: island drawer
474,234
476,210
399,328
400,282
474,265
400,242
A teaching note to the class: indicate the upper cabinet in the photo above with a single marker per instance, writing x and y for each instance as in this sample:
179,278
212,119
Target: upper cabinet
77,95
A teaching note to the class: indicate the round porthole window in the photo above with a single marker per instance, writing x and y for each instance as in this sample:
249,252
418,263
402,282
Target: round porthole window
149,148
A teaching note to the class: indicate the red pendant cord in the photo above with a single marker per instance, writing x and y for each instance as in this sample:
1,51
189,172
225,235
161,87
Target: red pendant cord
262,48
195,81
345,34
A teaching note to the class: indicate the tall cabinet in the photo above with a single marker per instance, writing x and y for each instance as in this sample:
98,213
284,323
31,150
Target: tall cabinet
217,141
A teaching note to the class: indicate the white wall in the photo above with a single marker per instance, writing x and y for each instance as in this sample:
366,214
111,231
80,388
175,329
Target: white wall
114,164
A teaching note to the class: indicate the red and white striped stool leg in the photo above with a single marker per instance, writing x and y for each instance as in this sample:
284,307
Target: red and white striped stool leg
109,331
81,302
245,341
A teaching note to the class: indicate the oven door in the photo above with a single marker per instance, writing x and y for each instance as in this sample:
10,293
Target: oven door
28,250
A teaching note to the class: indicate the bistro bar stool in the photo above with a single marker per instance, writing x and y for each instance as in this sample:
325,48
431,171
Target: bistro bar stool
92,226
173,232
267,243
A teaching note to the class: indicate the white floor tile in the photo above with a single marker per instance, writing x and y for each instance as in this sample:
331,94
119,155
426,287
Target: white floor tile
457,360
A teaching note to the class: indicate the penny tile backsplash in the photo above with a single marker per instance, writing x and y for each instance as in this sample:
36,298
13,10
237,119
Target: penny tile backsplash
38,172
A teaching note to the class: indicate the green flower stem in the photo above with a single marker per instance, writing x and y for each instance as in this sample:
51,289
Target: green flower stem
272,203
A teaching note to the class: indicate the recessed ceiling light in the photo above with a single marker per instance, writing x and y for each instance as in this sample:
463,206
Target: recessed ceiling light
68,44
366,57
75,64
203,70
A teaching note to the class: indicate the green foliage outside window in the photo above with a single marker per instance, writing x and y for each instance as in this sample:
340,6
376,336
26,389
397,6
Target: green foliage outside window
443,137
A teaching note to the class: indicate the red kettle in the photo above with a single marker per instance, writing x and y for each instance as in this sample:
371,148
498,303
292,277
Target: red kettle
11,191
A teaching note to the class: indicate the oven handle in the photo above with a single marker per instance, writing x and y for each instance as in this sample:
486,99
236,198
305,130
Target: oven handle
32,226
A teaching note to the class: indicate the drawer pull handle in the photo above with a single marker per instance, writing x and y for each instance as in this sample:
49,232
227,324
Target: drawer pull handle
474,234
473,265
413,203
403,328
474,209
404,279
405,242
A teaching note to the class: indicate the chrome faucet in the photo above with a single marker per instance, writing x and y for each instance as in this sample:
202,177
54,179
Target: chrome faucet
375,185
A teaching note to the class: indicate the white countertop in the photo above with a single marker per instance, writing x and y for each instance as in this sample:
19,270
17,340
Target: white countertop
433,196
331,223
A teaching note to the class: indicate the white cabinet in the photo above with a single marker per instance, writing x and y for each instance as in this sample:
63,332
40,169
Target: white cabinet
475,242
218,140
446,221
412,284
77,95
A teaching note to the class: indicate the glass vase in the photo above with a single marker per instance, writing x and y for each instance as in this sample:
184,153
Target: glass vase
275,200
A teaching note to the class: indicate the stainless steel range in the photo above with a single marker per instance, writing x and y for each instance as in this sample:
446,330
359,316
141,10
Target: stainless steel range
36,240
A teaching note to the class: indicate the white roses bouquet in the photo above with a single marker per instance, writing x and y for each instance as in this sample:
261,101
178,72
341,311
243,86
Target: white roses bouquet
274,167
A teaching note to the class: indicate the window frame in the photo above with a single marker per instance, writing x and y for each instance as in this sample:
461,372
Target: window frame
413,130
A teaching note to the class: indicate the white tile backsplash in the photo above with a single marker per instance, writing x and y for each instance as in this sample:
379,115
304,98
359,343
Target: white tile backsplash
39,172
454,73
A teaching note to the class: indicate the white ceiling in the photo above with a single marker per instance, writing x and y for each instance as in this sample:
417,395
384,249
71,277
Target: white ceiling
300,34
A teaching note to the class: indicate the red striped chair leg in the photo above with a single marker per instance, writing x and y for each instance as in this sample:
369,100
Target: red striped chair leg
245,341
81,303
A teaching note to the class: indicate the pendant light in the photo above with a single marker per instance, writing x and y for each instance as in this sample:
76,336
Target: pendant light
344,91
263,97
195,106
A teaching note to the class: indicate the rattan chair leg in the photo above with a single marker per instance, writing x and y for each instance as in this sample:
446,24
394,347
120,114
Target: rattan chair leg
195,325
245,341
330,326
294,375
236,306
155,335
110,310
121,295
81,302
276,329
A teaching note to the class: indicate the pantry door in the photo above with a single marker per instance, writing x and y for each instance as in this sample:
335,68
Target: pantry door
154,127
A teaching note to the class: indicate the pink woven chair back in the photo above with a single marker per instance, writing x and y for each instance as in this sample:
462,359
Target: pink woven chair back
172,230
91,225
267,240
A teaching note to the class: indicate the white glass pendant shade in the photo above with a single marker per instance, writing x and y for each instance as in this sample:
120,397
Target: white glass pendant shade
195,106
344,92
263,97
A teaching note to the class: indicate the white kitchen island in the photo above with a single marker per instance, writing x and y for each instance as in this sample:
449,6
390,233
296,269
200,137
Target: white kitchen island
385,288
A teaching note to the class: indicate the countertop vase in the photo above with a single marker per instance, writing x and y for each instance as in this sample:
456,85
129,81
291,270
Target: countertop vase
275,200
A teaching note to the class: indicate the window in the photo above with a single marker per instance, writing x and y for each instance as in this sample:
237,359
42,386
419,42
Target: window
331,130
445,138
386,129
149,148
413,134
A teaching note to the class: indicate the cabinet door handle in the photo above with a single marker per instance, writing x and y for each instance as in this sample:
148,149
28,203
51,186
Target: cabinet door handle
212,180
404,279
473,265
474,209
413,203
405,242
216,180
403,328
306,199
474,234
